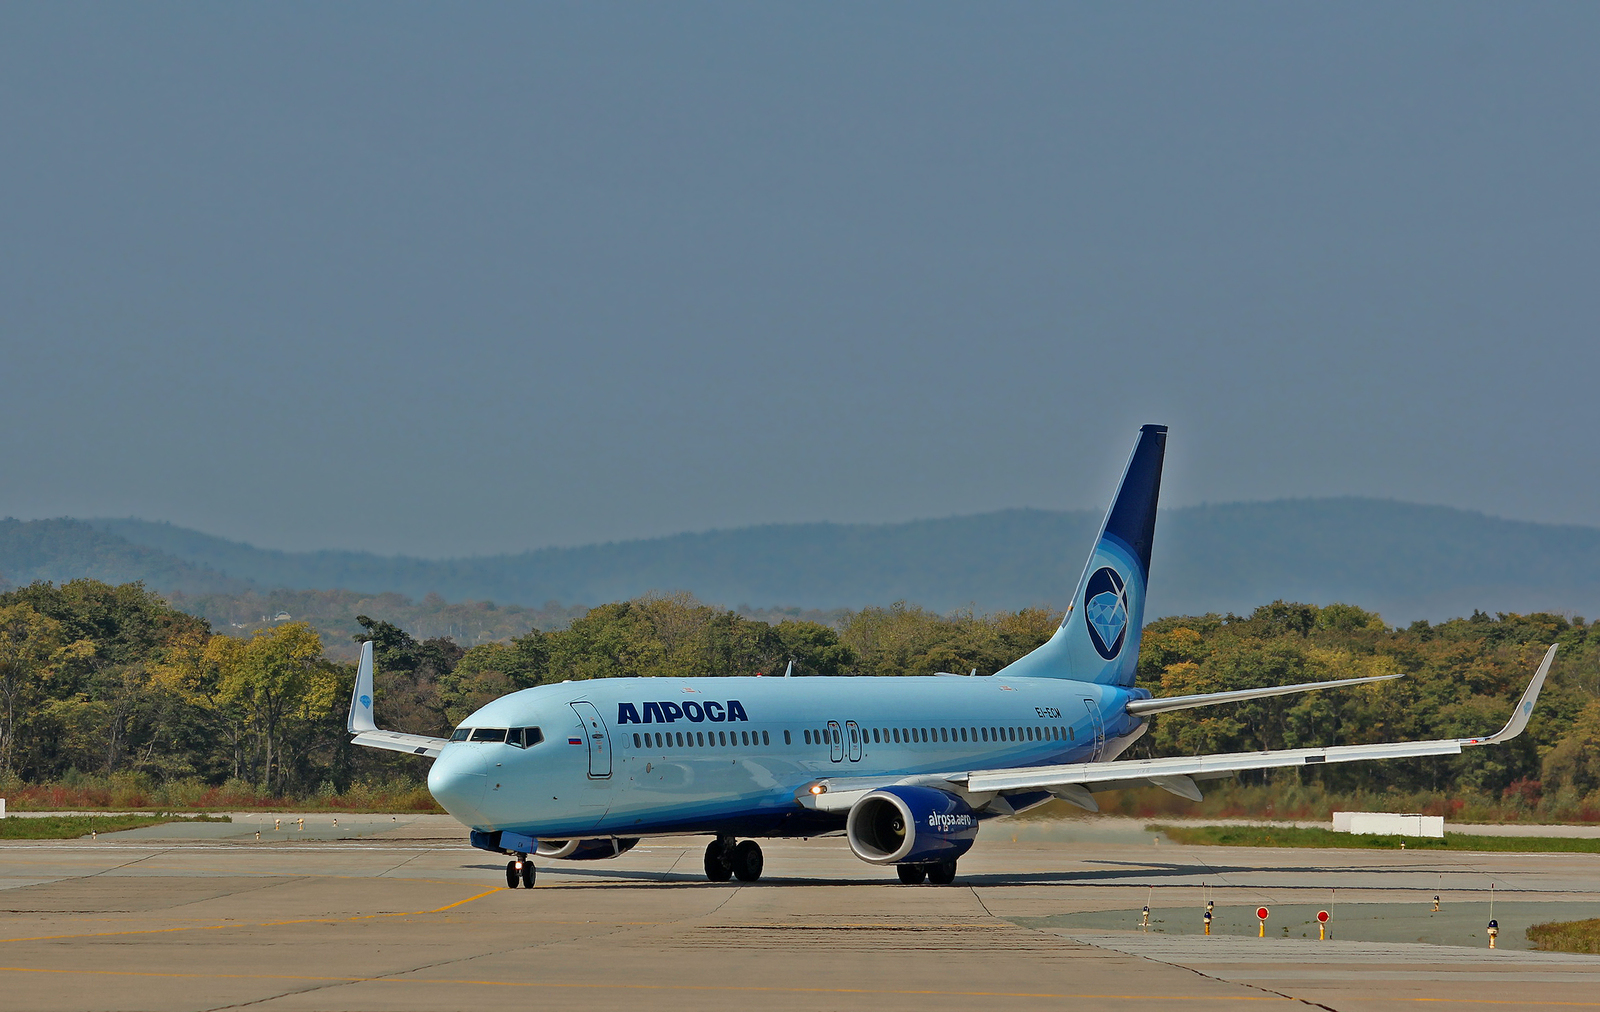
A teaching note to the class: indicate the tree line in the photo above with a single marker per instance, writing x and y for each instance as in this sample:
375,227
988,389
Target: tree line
101,680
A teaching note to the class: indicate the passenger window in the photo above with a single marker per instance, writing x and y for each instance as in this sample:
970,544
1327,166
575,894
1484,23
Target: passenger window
786,740
807,733
1071,734
944,734
765,738
489,734
984,733
875,736
963,734
680,739
636,742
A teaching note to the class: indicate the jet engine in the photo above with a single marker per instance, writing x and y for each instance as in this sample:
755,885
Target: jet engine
562,850
910,825
586,850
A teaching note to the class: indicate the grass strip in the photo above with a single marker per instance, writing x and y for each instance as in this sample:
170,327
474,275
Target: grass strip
1567,936
70,827
1290,836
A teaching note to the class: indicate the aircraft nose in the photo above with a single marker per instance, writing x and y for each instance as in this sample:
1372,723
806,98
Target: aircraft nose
457,780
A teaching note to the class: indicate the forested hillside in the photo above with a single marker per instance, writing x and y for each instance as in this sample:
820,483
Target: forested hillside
1403,560
111,686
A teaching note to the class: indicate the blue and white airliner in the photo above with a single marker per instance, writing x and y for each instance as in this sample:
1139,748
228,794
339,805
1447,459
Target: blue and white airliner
905,769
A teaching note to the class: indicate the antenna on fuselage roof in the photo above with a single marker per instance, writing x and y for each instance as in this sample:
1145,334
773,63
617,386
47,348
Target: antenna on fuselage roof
790,669
974,671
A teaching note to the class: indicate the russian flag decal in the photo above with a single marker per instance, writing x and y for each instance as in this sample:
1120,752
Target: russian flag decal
574,741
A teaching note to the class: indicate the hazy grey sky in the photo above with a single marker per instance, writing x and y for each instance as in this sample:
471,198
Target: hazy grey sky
441,279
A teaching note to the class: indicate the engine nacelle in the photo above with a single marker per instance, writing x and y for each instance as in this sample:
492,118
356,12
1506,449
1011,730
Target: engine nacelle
586,850
562,850
910,825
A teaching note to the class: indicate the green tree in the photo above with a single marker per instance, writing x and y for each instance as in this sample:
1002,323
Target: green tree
278,679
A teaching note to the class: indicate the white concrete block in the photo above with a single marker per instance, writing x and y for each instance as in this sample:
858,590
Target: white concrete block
1389,824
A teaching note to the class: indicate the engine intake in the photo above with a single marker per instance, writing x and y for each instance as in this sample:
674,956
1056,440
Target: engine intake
910,825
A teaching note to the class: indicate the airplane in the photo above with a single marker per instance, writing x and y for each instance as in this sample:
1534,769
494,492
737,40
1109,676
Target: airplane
906,769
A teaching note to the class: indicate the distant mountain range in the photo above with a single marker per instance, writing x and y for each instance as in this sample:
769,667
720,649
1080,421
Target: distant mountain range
1404,560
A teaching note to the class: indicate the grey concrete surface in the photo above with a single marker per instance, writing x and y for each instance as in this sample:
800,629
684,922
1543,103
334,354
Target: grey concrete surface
404,917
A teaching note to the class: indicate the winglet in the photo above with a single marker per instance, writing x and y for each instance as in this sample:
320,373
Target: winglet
361,699
1524,710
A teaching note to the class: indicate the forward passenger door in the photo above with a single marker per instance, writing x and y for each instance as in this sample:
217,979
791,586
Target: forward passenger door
597,740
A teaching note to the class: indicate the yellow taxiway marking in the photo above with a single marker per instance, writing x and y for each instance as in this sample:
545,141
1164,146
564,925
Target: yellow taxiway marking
260,924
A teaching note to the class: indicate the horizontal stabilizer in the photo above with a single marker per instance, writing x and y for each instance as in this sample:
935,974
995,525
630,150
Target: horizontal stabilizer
1143,706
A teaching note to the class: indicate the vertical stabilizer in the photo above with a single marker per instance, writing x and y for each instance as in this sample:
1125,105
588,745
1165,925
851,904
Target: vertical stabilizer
1098,640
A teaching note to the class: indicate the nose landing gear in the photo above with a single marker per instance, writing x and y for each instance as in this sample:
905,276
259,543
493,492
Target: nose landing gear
520,872
725,860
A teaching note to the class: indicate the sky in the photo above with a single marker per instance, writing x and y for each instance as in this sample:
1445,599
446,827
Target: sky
456,279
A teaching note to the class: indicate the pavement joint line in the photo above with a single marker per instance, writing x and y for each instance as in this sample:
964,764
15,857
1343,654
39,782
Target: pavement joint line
455,982
258,924
767,989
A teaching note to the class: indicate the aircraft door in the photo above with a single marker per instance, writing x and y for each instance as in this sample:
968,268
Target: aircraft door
836,740
1099,729
598,741
858,738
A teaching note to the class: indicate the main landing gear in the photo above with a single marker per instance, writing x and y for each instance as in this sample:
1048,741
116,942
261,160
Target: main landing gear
939,873
520,872
725,860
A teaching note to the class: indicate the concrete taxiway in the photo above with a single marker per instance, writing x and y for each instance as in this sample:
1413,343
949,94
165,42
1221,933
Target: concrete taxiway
395,913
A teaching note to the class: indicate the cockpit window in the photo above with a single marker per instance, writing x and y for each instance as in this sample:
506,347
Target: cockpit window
524,737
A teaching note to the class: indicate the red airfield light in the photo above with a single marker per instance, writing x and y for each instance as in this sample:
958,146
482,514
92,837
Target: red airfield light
1322,915
1261,912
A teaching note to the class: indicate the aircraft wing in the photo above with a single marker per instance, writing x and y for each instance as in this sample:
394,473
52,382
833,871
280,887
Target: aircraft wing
366,730
1076,782
394,741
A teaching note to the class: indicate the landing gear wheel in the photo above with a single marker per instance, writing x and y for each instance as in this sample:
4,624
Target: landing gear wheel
911,874
942,873
719,861
747,861
512,878
528,874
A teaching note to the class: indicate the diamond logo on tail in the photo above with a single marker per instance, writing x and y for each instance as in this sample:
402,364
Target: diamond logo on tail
366,700
1105,612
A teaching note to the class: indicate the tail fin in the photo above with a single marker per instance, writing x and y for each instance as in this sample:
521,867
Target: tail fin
1098,640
